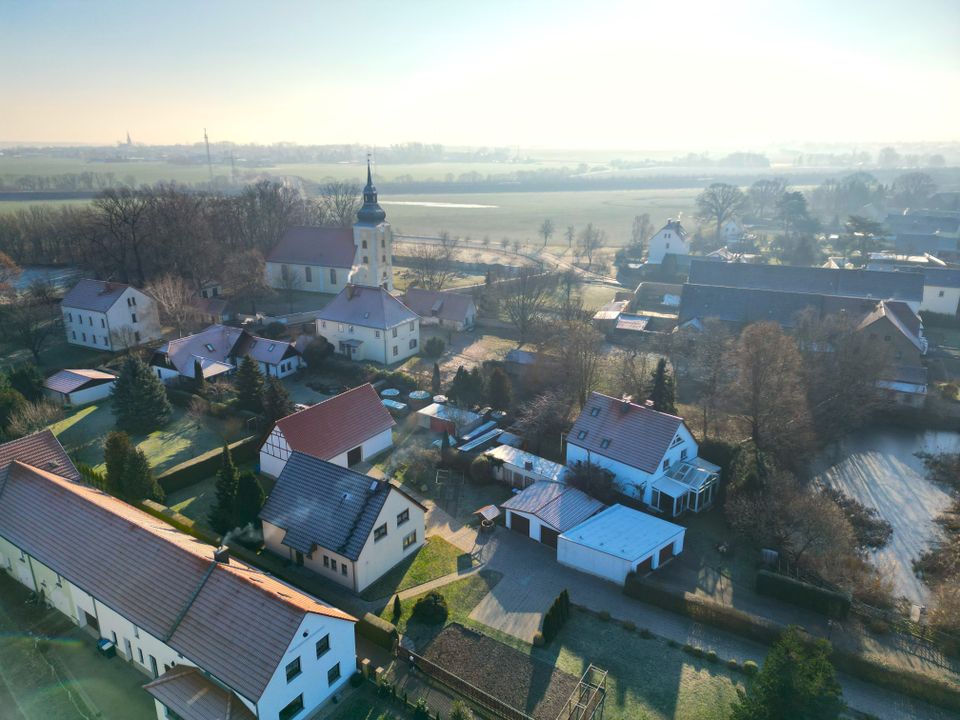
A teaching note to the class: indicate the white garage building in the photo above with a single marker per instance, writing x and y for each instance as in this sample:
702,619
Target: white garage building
546,509
78,386
620,540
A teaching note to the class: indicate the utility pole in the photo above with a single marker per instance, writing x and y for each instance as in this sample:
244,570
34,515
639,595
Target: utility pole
206,141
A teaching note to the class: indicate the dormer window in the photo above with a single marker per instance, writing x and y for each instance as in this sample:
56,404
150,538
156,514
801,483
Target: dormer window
676,441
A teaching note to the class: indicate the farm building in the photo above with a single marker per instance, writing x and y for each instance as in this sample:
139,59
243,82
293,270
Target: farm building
522,469
619,540
78,387
546,509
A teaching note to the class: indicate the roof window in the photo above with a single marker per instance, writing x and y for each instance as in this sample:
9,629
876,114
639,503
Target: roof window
605,443
594,411
271,347
209,347
581,435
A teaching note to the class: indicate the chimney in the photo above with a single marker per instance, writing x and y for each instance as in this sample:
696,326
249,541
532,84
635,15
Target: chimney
222,555
648,403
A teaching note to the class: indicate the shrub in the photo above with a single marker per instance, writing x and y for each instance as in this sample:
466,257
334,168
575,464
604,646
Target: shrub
180,398
687,648
711,656
397,608
832,604
628,625
275,330
604,615
421,711
356,679
206,465
750,667
733,664
673,643
646,634
538,640
378,631
481,469
32,417
431,609
434,347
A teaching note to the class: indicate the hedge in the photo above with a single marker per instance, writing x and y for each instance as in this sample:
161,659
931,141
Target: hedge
828,602
206,465
378,631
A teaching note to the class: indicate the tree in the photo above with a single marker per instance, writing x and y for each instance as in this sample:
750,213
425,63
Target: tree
662,392
499,390
121,215
199,382
33,417
793,214
546,230
767,393
595,481
249,385
139,399
32,317
765,195
250,498
316,352
432,265
569,234
591,240
718,203
797,681
888,157
579,346
116,451
543,418
245,272
525,298
711,369
467,387
27,380
339,203
223,513
435,380
138,482
397,608
461,711
276,400
863,235
175,300
912,190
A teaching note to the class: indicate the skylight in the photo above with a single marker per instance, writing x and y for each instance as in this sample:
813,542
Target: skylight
605,443
209,347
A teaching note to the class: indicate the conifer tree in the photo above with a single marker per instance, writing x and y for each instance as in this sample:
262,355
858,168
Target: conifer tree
249,500
199,382
275,401
662,393
223,513
116,450
249,385
435,381
140,401
499,390
138,481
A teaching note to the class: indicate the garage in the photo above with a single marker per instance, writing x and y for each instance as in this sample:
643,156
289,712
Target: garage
619,540
545,509
78,386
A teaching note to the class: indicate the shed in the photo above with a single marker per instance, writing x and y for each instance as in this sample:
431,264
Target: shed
546,509
78,387
454,420
620,540
521,469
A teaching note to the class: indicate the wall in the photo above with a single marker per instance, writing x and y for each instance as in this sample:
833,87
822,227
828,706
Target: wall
82,397
93,325
319,277
119,320
946,305
535,523
377,558
275,451
658,246
591,561
273,540
377,344
379,254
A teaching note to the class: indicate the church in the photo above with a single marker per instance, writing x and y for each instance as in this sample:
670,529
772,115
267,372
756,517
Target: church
327,259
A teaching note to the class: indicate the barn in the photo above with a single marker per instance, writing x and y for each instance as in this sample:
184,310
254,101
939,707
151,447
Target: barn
620,540
546,509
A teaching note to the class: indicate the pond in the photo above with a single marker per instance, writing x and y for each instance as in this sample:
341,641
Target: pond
880,468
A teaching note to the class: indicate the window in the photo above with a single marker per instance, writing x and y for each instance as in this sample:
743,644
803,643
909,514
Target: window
594,411
676,441
668,246
886,338
396,351
323,324
409,539
940,294
293,669
394,332
293,709
350,329
333,564
140,655
133,317
103,323
70,317
364,245
581,435
333,276
136,336
90,320
323,645
383,259
271,347
383,242
403,517
84,337
666,464
412,325
136,632
683,454
380,533
605,443
105,339
378,333
94,339
343,569
133,301
73,334
413,343
308,274
326,561
333,674
209,347
366,260
340,327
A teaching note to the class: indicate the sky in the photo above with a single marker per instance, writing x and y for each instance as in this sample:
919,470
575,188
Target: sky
596,74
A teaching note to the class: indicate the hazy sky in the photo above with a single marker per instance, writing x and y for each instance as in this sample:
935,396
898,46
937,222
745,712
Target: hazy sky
594,74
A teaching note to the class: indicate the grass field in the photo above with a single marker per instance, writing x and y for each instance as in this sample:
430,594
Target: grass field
435,559
84,429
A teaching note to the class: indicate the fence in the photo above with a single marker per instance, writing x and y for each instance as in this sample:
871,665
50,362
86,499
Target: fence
462,687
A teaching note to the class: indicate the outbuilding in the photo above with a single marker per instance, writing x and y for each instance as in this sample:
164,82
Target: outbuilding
546,509
438,417
78,386
619,540
522,469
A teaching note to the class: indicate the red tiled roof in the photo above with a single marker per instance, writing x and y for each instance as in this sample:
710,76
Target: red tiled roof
638,436
41,450
323,246
338,424
192,696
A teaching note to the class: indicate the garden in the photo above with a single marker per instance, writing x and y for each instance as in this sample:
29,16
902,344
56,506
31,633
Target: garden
435,559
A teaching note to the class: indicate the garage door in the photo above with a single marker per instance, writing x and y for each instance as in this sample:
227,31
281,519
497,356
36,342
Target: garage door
645,567
665,554
548,536
520,524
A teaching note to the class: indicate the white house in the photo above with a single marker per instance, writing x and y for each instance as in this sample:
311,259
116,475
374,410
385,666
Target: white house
546,509
219,350
941,291
670,239
368,323
521,469
347,527
446,309
326,259
78,387
619,540
652,455
109,316
346,429
210,631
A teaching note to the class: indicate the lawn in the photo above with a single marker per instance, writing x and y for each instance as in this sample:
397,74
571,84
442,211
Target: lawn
55,355
435,559
84,429
195,501
363,704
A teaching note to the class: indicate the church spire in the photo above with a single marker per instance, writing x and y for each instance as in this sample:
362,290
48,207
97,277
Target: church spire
371,212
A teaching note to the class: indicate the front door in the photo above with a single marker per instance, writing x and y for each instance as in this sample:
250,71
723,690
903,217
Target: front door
91,621
355,456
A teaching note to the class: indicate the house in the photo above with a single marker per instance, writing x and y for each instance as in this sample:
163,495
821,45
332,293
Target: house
652,455
899,329
924,231
521,469
438,417
546,509
671,239
211,631
347,527
346,429
731,231
904,384
444,308
368,323
210,310
618,541
219,350
325,259
79,386
941,291
109,316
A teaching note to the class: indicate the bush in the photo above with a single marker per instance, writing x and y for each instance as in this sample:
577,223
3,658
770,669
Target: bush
733,664
206,465
604,615
481,469
404,382
431,609
180,398
673,643
275,330
421,711
628,625
356,679
434,347
711,656
750,667
538,640
832,604
646,634
378,631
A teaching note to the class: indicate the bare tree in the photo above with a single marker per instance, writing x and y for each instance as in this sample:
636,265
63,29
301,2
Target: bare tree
765,194
569,297
32,317
591,240
711,369
122,215
433,264
245,274
640,232
546,230
580,348
543,418
525,297
339,203
913,189
175,300
718,203
569,234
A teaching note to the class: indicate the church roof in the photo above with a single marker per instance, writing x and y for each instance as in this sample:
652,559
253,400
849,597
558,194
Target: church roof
371,213
321,246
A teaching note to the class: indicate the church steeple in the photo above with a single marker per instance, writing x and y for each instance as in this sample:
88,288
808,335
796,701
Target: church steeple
371,212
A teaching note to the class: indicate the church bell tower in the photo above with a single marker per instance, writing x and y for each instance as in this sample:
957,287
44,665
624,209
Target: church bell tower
373,238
